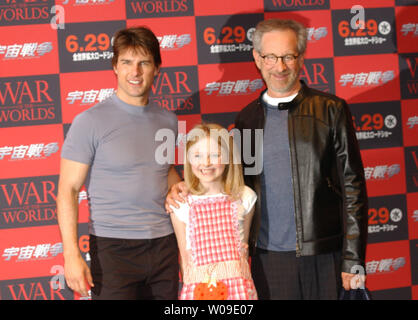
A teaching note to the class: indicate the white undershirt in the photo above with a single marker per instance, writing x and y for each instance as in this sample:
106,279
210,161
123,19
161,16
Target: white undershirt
275,101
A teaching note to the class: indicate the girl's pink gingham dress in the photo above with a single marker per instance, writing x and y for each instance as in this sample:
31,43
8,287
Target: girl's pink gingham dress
216,249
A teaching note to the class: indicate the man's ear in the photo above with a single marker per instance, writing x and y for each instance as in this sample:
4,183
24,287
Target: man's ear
157,70
257,59
301,60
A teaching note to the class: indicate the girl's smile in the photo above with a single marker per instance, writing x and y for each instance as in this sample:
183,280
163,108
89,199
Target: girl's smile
205,158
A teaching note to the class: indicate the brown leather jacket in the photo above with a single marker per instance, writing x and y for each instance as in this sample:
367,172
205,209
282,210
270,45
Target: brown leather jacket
329,187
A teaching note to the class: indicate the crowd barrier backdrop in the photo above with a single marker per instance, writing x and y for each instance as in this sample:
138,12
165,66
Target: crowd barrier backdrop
55,63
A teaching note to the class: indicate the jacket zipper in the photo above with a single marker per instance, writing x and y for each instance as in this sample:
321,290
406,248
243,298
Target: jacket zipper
298,251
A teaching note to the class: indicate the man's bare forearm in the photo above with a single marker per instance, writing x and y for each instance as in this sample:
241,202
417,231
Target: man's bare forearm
67,212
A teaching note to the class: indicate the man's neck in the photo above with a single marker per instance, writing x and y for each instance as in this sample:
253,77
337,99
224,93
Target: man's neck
133,101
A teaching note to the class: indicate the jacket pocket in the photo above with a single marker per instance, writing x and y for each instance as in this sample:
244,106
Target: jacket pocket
333,187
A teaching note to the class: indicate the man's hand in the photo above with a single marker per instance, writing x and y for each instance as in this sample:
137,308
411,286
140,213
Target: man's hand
178,192
77,275
352,281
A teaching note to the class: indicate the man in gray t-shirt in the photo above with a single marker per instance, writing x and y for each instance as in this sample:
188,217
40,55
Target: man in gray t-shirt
111,148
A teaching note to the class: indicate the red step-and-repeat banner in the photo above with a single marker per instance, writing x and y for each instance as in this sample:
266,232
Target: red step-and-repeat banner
55,63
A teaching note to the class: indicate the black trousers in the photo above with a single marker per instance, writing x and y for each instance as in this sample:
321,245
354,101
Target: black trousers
125,269
283,276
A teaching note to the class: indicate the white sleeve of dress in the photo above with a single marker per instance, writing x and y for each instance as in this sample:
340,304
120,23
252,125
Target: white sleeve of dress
182,213
248,198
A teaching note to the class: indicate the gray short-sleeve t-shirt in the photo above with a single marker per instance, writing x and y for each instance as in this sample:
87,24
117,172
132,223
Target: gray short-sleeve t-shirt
126,185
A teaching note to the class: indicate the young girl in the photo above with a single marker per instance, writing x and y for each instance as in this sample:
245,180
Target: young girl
212,227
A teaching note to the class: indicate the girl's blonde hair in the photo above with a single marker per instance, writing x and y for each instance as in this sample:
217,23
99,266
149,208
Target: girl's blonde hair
232,177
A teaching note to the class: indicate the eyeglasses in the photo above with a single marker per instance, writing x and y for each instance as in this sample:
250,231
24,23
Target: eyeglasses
288,59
